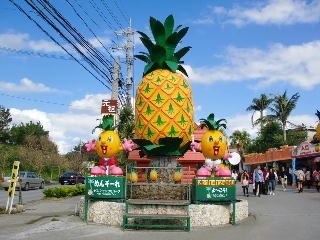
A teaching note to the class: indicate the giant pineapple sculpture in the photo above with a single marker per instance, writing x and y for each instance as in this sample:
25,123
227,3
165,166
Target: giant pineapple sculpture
318,126
163,107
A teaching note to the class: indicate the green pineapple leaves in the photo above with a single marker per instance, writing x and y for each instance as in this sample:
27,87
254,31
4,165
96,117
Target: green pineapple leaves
161,53
168,146
318,114
107,123
212,124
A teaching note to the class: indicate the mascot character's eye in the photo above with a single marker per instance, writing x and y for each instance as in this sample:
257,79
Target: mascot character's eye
221,139
210,139
110,139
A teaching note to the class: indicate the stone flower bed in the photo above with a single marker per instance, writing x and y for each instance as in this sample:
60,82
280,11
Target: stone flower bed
204,215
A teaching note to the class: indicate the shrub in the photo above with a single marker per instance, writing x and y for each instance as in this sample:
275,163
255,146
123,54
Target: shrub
64,191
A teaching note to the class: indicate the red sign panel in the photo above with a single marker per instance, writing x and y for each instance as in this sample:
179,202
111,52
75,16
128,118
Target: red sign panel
109,106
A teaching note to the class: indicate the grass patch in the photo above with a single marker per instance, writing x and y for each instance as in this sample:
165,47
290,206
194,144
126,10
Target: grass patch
2,210
64,191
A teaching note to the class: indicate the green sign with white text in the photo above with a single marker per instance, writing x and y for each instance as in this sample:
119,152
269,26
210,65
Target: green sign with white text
105,187
214,189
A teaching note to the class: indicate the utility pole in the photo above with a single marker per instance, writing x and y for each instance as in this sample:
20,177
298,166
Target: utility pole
115,86
115,80
128,32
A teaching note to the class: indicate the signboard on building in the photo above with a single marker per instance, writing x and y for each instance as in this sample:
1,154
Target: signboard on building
111,187
214,189
305,148
109,106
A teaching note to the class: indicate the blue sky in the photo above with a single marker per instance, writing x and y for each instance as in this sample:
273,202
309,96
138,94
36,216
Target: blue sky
240,49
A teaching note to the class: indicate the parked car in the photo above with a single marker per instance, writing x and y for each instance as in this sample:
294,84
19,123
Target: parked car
27,180
71,178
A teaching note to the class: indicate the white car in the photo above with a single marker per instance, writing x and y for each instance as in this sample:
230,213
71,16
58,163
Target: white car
27,180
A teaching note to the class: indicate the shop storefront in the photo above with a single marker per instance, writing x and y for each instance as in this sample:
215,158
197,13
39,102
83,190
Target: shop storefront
306,156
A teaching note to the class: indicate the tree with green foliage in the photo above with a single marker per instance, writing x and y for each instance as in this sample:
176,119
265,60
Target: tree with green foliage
259,105
241,140
8,154
126,122
296,136
125,130
21,132
5,120
281,108
270,136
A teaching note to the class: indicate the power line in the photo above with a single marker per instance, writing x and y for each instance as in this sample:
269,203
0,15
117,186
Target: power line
32,99
105,4
44,10
88,27
124,15
32,53
44,17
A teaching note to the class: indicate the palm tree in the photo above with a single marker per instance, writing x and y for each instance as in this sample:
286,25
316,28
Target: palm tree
240,139
281,109
259,104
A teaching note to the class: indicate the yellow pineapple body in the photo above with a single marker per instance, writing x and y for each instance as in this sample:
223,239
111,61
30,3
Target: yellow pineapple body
177,176
153,175
164,107
134,177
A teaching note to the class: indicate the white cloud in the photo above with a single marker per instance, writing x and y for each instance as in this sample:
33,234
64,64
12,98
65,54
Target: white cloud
14,40
65,129
96,42
46,46
284,12
91,103
241,122
23,41
310,121
296,65
69,128
26,85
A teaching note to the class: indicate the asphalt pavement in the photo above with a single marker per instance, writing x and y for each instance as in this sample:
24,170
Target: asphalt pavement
287,215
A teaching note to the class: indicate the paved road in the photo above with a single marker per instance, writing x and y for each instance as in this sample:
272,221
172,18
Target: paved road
287,215
27,196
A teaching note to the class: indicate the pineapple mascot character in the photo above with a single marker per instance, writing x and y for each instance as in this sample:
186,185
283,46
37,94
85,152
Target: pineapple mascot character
163,107
107,146
214,146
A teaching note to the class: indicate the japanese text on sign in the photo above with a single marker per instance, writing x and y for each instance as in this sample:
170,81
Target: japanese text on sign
104,183
214,189
213,182
105,187
109,106
219,192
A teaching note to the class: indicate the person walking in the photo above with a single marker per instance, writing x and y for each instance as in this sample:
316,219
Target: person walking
316,179
265,183
245,183
300,179
308,178
284,178
272,180
258,180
